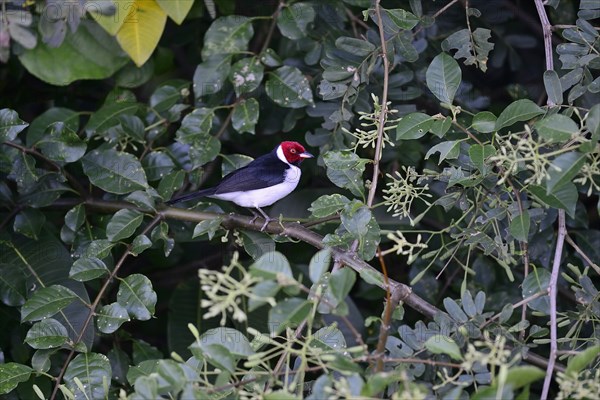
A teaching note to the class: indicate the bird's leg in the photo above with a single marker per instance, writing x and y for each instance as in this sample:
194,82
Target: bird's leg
266,217
256,215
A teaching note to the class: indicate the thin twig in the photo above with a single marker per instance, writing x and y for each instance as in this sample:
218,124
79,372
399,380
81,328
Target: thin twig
562,229
392,299
390,305
272,27
582,254
95,304
383,113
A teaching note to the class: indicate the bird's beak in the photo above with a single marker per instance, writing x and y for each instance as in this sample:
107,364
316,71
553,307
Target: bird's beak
306,154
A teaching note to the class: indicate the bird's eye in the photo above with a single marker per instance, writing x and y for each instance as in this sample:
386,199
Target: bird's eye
293,151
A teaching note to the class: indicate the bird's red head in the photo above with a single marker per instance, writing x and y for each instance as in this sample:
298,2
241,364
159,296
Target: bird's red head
293,152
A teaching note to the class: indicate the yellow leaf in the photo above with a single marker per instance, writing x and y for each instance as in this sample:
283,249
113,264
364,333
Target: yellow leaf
142,30
176,9
111,23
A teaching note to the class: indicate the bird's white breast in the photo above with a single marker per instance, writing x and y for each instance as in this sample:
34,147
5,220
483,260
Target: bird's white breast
266,196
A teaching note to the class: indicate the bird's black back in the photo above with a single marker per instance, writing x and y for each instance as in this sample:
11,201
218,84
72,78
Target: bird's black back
264,171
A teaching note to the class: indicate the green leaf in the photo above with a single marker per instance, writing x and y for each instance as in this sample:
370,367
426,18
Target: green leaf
403,44
109,116
209,226
97,53
99,248
270,58
395,20
289,88
345,169
582,360
341,282
38,126
61,144
327,205
518,111
553,87
563,169
564,197
45,302
139,244
537,281
519,226
12,285
143,199
11,374
319,264
87,268
176,9
29,222
227,35
443,77
293,20
358,47
524,375
75,217
556,128
211,75
245,116
288,313
94,374
114,172
10,125
592,120
137,296
246,75
484,122
448,150
111,317
440,344
235,341
468,304
170,183
592,123
413,126
455,311
472,46
271,264
157,165
47,334
355,217
123,224
196,126
479,154
231,162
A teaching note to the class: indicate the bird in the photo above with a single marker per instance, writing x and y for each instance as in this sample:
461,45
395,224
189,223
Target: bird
260,183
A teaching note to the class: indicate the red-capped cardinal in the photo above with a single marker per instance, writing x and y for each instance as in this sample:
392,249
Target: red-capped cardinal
262,182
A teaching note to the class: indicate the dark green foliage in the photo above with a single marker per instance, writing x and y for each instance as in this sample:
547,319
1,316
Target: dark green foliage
455,191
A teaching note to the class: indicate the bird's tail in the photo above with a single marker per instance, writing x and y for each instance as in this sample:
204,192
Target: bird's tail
190,196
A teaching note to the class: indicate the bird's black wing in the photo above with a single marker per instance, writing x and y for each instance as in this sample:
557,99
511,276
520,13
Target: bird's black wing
263,172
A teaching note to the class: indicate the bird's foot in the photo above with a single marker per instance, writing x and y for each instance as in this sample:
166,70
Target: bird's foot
267,220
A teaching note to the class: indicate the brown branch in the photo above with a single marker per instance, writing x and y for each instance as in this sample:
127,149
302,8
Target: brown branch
295,231
95,304
562,229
